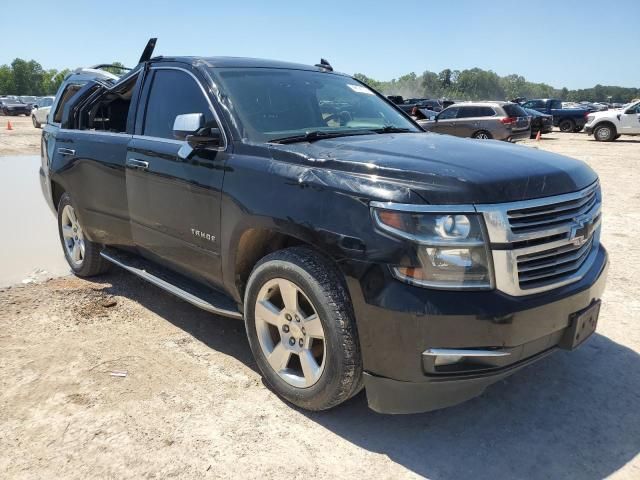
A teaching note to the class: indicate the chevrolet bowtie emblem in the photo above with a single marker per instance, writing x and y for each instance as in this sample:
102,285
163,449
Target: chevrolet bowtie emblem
581,230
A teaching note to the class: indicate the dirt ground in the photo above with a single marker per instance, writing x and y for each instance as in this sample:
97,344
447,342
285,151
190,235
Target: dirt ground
24,139
113,378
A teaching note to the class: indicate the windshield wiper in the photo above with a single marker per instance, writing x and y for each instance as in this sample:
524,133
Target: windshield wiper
317,135
392,129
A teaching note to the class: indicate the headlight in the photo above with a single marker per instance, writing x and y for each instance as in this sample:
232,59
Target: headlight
590,118
450,248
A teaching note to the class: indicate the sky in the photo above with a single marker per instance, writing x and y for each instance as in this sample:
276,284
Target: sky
565,43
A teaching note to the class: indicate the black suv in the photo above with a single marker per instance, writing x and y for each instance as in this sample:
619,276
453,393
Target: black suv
359,250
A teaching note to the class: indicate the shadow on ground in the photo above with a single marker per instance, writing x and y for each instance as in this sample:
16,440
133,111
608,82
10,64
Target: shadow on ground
571,415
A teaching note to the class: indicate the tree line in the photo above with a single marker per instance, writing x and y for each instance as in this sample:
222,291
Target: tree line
24,77
479,84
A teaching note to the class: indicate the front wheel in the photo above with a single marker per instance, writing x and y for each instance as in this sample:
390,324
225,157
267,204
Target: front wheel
605,133
82,255
302,329
36,124
567,125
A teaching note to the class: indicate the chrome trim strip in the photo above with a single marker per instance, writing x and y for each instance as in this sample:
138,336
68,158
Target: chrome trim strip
412,207
206,96
178,292
453,352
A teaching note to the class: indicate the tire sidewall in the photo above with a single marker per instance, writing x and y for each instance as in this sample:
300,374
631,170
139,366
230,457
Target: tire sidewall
84,269
612,133
322,390
571,125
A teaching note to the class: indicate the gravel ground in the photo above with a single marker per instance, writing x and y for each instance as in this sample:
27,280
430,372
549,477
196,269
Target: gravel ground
24,139
192,404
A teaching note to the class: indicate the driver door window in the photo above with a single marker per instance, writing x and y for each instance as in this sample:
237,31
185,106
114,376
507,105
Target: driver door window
172,93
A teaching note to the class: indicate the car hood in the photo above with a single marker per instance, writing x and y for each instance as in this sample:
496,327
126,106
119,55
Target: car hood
441,169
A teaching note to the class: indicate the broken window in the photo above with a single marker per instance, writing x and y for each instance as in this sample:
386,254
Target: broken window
107,110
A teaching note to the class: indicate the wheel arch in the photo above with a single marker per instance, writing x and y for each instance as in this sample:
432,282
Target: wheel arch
57,191
606,122
256,243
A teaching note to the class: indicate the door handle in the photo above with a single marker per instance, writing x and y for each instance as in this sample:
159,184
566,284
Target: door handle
137,164
66,151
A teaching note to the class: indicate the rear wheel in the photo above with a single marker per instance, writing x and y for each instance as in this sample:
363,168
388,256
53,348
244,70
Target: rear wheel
302,330
605,133
83,256
482,135
567,125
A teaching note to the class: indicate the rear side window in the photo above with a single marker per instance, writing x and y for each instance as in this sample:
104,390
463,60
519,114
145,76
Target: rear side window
172,93
474,112
513,110
69,91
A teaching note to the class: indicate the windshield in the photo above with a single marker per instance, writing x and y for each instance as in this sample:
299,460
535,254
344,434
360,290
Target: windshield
27,99
272,104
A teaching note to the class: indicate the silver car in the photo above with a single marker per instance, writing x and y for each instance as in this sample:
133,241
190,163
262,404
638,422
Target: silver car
484,120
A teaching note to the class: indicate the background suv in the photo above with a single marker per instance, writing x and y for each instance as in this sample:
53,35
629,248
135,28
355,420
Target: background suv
498,120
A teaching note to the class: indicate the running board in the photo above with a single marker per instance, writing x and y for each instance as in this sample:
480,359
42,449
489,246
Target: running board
200,296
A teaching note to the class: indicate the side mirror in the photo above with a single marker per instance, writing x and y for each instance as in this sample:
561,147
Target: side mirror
187,124
192,128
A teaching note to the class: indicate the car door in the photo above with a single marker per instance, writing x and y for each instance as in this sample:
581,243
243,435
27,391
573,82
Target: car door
467,122
630,121
445,121
89,164
174,199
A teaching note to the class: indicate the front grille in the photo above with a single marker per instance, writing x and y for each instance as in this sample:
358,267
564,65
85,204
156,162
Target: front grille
544,243
540,217
541,268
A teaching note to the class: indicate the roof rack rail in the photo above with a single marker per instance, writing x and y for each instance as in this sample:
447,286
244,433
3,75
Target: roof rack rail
102,66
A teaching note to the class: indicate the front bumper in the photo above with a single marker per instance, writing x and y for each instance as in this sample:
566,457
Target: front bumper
397,323
588,129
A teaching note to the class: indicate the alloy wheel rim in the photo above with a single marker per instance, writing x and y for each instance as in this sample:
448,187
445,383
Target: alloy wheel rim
482,136
72,236
603,133
290,333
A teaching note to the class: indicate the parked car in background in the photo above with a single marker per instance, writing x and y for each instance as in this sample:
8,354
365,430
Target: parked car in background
483,120
409,104
609,125
10,106
28,99
41,110
419,113
540,122
566,119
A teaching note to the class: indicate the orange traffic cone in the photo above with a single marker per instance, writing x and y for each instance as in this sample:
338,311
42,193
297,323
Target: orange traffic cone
9,127
538,135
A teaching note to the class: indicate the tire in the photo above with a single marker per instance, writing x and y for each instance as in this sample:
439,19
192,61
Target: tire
35,122
566,125
334,364
577,129
82,255
605,133
482,135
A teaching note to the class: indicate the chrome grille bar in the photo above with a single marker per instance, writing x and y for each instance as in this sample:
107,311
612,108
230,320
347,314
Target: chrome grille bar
544,243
